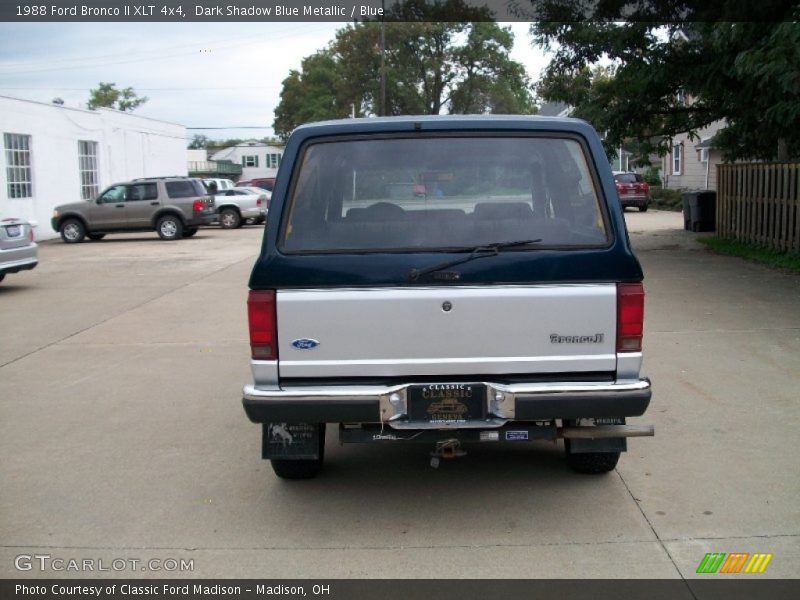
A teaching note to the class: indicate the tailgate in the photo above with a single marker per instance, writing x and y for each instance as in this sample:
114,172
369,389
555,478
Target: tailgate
447,331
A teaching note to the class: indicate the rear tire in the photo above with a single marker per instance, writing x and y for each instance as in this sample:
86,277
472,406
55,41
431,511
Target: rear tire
189,232
643,208
229,218
591,463
72,231
95,236
301,469
169,227
2,276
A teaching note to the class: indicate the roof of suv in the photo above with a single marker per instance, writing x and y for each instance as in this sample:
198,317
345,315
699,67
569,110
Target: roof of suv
164,177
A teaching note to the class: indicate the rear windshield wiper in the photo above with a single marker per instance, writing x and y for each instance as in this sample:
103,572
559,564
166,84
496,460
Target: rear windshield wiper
474,252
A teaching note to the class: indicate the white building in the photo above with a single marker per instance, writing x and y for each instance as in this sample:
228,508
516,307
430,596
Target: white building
54,154
257,158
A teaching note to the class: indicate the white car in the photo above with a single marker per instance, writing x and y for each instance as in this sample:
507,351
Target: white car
222,184
18,251
235,206
266,196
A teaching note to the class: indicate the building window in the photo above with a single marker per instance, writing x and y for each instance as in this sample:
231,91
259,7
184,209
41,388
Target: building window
273,161
250,161
87,164
677,159
18,165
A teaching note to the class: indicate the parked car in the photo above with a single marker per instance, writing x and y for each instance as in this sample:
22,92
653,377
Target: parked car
266,196
172,206
222,184
505,308
633,190
237,205
18,250
265,183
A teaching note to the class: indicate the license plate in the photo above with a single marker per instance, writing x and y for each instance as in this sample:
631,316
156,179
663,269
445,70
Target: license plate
13,230
446,403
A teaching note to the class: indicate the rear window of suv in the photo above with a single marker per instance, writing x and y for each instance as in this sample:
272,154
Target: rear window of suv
628,178
439,193
185,188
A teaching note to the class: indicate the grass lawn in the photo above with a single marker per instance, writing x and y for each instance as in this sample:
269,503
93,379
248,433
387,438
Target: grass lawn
766,256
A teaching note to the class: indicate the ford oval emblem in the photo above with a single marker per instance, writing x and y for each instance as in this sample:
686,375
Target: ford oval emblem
305,344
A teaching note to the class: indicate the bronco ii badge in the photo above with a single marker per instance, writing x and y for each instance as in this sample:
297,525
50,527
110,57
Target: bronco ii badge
597,338
305,344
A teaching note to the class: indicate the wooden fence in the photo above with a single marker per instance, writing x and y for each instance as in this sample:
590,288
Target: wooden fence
759,203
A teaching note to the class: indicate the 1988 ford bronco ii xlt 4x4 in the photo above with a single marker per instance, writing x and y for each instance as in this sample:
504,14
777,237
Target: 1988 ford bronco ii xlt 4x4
502,304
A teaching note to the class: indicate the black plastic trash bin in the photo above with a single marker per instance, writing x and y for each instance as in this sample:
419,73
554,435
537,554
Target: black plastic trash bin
700,210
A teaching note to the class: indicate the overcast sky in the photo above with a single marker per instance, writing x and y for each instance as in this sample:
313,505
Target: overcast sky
195,74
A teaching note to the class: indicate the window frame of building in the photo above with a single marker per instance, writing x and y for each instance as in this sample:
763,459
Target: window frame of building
87,169
250,160
677,159
273,160
19,165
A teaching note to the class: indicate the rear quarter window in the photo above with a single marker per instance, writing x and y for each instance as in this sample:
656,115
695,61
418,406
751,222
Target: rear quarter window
445,192
185,188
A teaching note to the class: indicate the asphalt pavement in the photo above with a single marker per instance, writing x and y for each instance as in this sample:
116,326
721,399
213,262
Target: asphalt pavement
122,435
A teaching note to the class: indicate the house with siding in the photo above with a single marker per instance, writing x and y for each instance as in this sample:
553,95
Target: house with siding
55,154
691,164
257,159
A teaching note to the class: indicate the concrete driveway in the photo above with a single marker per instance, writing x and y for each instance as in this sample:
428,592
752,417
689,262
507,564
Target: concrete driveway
122,435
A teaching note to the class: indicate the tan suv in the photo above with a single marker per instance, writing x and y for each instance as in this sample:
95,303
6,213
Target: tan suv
172,206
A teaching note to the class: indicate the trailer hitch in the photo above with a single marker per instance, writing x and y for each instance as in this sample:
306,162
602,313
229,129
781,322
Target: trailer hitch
450,448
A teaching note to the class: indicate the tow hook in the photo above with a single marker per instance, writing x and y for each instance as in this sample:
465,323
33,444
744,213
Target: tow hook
446,449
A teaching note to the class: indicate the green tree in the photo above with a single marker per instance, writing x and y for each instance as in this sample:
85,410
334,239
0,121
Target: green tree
309,94
440,57
668,79
107,95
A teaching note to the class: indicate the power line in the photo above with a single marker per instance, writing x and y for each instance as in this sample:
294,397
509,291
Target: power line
138,89
235,127
19,68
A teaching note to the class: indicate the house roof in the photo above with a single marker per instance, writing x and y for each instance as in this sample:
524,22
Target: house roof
706,143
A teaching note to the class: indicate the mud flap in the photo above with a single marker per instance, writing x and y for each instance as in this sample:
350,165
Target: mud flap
582,446
291,441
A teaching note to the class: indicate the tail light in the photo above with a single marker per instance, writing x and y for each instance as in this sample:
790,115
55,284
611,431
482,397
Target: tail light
263,320
30,233
630,317
197,205
258,202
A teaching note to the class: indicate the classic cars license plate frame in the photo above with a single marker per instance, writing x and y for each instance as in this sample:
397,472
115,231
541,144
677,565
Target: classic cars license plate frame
445,403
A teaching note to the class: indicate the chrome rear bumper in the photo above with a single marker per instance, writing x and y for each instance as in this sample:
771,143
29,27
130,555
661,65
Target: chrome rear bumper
520,402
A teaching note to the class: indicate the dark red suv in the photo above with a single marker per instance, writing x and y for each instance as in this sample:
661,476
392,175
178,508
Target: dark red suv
633,190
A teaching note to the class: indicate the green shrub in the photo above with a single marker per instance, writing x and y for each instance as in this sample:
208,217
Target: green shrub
652,176
665,199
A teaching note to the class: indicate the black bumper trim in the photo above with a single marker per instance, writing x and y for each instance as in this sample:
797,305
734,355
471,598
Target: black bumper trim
576,406
18,268
312,411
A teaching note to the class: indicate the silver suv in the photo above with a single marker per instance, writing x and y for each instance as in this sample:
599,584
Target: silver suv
172,206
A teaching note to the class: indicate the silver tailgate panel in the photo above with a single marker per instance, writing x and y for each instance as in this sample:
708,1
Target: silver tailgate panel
488,330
